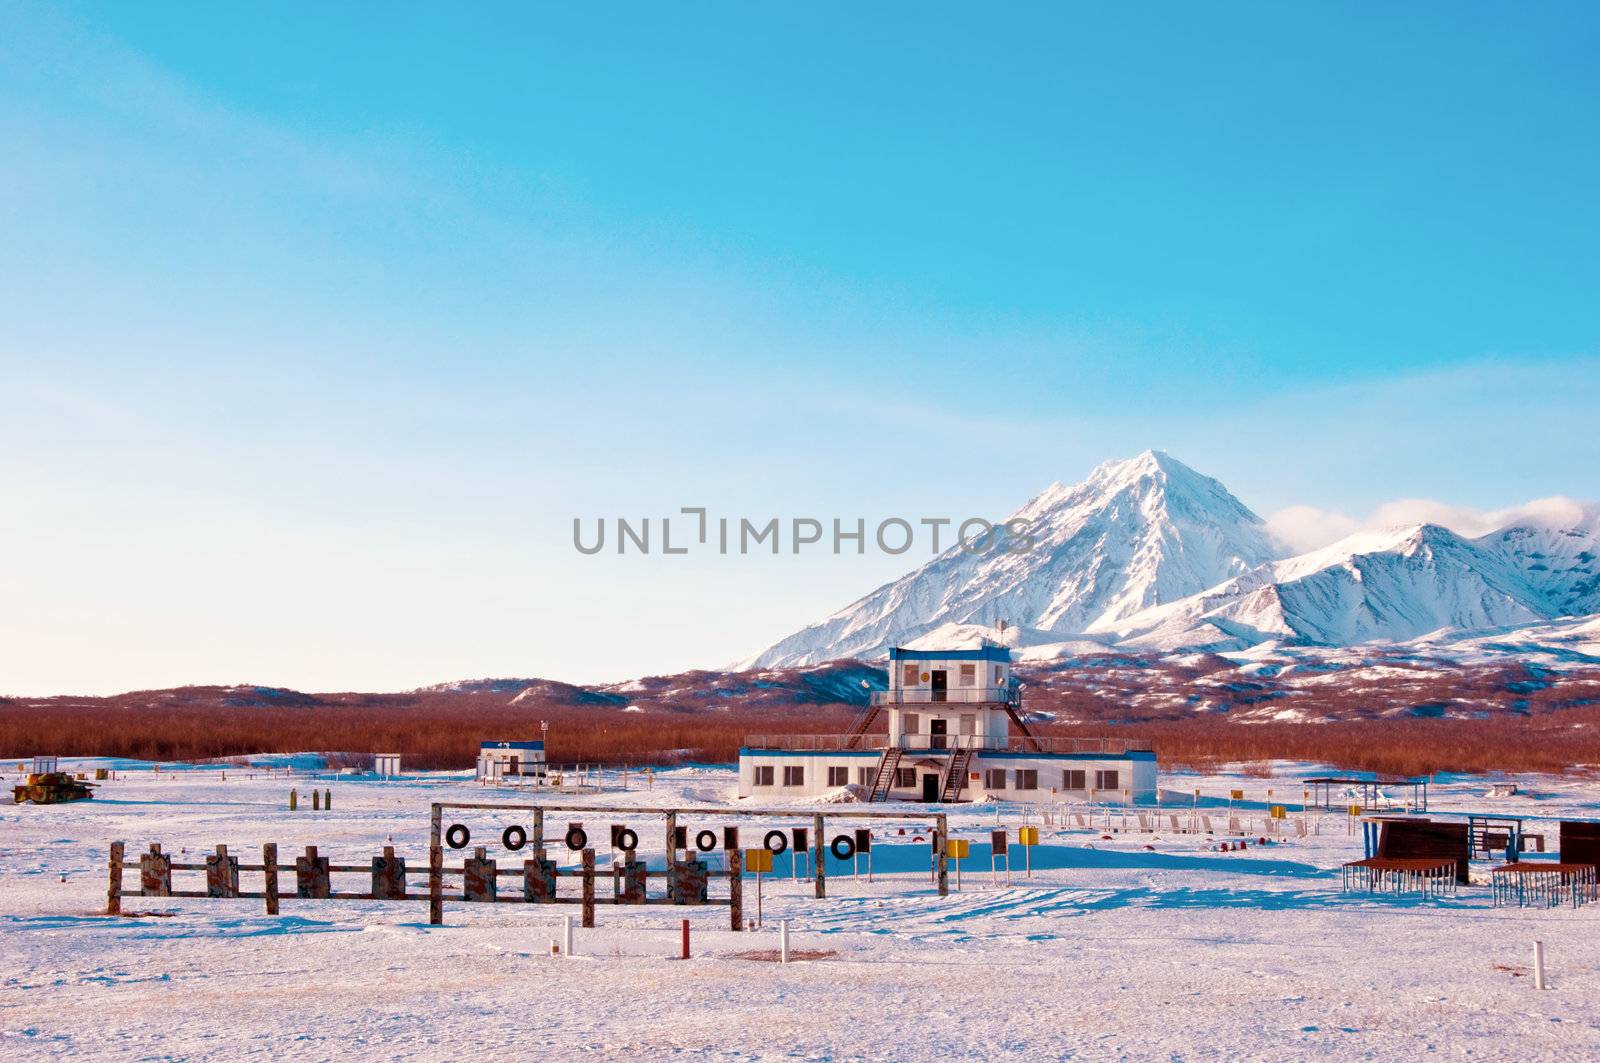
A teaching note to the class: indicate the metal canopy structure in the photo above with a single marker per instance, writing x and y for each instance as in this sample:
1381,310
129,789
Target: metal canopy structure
1330,791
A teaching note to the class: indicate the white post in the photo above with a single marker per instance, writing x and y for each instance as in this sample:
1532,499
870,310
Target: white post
1538,965
566,934
783,941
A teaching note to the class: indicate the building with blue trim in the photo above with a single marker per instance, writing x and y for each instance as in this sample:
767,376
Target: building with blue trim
952,730
511,762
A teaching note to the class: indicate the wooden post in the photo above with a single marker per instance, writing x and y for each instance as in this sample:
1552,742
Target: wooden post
672,838
114,885
942,861
269,866
435,868
436,886
822,857
588,889
736,888
538,830
316,799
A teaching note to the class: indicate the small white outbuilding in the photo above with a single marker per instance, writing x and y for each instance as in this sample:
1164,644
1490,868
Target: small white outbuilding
511,762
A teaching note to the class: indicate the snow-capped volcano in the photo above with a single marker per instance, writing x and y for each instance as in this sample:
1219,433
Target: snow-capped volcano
1148,554
1135,534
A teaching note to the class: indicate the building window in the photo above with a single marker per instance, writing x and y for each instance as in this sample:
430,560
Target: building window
838,776
1074,779
905,777
763,774
1106,780
908,676
1027,779
994,778
910,723
864,776
969,724
794,775
999,676
969,675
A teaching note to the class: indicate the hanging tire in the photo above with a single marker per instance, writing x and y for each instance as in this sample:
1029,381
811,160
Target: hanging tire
514,837
577,839
706,841
843,847
776,841
627,840
457,836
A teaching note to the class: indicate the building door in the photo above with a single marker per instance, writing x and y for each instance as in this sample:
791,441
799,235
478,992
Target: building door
940,684
930,788
937,729
515,766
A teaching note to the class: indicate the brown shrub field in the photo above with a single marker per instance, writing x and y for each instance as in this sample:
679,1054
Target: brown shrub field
1509,718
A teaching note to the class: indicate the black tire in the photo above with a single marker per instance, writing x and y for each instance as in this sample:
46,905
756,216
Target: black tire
457,830
627,840
776,836
843,847
514,837
706,841
577,839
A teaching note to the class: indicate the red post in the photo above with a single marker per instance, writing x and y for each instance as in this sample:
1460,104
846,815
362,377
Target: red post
685,955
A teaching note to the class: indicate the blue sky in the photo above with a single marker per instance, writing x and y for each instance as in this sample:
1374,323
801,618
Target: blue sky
320,324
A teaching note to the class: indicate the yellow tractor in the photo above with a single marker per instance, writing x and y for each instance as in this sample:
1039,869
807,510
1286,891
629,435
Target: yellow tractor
52,788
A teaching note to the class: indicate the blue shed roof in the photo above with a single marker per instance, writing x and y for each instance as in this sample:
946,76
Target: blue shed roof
512,745
985,653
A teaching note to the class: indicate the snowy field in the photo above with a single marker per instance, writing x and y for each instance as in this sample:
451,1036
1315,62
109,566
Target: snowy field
1143,945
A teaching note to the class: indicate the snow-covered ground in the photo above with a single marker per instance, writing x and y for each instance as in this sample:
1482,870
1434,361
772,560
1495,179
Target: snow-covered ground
1133,946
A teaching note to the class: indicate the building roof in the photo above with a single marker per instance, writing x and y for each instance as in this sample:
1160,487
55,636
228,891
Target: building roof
983,653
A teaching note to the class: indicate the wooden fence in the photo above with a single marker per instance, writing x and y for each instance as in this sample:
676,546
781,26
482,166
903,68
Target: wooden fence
388,878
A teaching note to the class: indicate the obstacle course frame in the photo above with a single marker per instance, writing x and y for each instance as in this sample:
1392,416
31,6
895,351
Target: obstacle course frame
436,830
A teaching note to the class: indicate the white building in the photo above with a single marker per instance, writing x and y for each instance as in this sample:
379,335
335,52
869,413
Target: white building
954,733
511,761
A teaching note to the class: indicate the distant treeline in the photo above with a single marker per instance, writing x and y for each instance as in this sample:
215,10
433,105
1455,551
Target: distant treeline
441,733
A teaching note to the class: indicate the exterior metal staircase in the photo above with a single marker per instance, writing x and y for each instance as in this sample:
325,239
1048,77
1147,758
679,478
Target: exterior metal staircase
861,725
884,780
956,781
1016,720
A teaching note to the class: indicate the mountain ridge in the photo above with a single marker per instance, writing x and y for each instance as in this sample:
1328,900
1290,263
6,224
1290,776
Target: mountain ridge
1150,555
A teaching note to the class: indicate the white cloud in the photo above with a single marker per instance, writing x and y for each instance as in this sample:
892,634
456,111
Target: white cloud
1299,529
